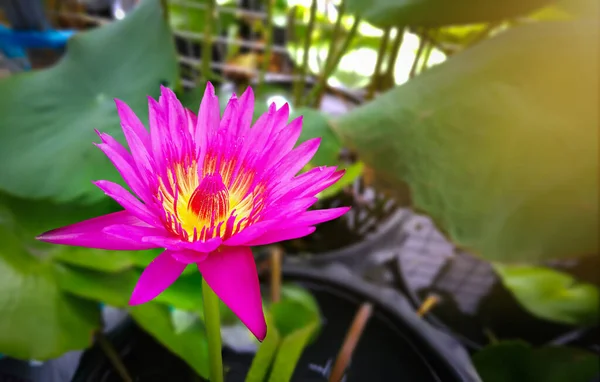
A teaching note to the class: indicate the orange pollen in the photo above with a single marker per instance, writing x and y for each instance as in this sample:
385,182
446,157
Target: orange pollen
210,200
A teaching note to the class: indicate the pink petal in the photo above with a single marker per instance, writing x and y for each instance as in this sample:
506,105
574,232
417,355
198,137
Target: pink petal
299,184
293,162
176,244
189,257
282,235
284,142
317,187
90,233
231,273
127,170
288,209
249,233
157,277
209,116
127,201
246,112
136,134
135,232
313,217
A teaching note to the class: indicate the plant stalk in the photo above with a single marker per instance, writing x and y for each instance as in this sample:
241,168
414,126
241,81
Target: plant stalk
299,85
415,64
375,78
268,45
113,357
205,72
213,331
165,7
276,255
395,51
352,337
317,93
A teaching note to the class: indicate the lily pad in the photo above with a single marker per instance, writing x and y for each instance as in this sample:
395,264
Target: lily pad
49,116
498,144
115,288
551,294
431,13
31,295
517,361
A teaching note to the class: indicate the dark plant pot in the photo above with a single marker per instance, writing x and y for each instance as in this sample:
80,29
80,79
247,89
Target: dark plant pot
396,344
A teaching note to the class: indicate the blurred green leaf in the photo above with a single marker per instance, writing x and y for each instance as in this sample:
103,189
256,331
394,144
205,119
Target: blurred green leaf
266,353
290,350
513,361
189,18
189,344
498,144
296,310
103,260
115,288
315,124
391,13
49,116
39,321
353,172
552,295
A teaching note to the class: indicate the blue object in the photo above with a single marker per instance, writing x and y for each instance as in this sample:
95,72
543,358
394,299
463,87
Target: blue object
14,42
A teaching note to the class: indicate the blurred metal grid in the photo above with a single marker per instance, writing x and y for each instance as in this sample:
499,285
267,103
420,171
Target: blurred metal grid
428,260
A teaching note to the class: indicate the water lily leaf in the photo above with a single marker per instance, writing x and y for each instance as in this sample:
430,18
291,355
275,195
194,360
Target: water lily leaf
290,350
103,260
498,144
551,294
517,361
49,116
190,344
115,288
296,310
316,124
266,353
353,172
39,321
390,13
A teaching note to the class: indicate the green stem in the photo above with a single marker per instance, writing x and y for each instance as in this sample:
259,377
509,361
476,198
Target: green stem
113,356
395,51
375,78
213,331
422,43
165,7
318,90
268,44
426,56
205,73
304,68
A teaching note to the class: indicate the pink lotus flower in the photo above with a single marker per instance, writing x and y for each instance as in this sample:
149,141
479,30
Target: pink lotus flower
208,188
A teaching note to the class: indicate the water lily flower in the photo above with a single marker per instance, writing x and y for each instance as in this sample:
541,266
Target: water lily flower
206,188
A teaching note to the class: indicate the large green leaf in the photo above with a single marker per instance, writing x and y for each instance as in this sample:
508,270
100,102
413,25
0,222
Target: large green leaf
385,13
261,363
517,361
552,295
38,319
290,350
115,288
499,144
49,116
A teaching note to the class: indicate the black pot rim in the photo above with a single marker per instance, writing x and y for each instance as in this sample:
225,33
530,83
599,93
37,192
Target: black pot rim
391,303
